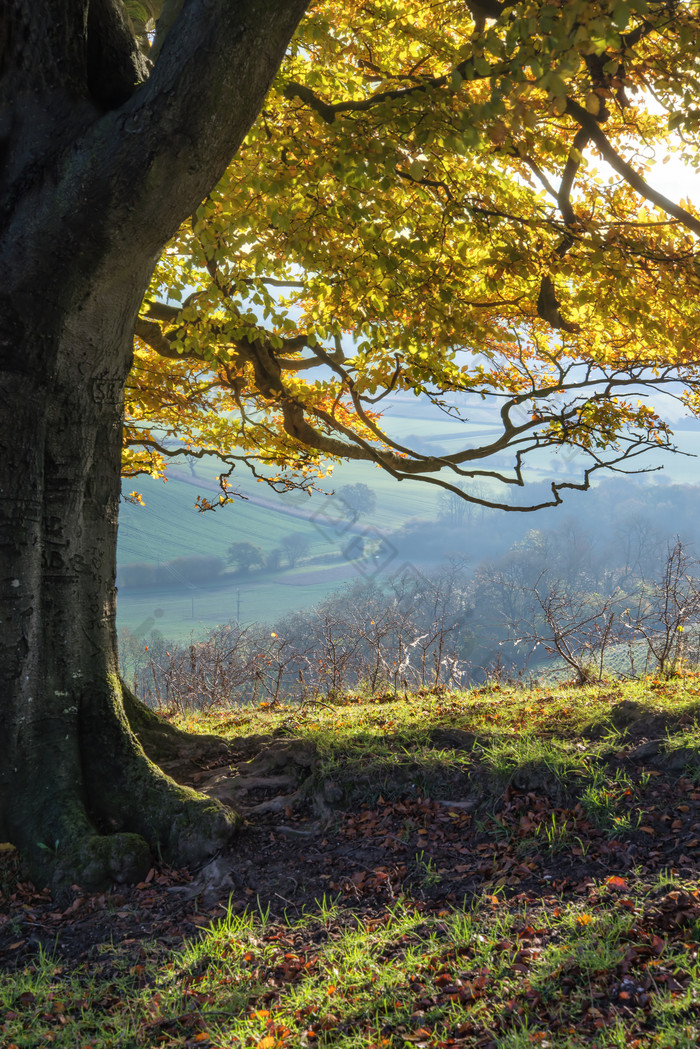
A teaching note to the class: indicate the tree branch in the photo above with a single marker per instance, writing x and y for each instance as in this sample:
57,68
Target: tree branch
135,168
596,134
115,63
328,111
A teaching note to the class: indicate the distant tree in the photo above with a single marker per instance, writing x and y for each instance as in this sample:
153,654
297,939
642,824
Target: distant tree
137,575
295,545
358,500
454,510
639,545
245,555
191,570
273,559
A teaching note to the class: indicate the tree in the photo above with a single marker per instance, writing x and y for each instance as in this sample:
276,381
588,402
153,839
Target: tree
464,192
420,178
245,555
273,559
358,500
454,509
295,545
108,144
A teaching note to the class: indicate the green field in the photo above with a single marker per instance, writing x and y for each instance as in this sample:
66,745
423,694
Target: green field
181,613
169,525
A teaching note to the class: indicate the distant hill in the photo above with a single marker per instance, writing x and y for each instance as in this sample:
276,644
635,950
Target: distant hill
169,527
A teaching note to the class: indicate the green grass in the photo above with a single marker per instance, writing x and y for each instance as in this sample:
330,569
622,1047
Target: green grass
611,963
521,975
558,736
498,712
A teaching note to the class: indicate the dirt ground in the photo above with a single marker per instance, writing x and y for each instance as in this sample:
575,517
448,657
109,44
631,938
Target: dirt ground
301,846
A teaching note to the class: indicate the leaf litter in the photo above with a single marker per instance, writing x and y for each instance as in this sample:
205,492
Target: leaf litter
526,913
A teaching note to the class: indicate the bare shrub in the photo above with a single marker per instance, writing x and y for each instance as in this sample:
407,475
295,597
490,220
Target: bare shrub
666,608
656,619
364,638
579,627
220,670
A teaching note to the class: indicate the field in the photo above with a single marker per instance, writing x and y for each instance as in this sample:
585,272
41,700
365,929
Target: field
169,526
497,869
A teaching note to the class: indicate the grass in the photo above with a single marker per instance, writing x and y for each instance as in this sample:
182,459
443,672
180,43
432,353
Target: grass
611,961
146,534
541,722
485,974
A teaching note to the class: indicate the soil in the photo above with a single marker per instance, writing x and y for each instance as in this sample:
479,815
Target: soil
303,841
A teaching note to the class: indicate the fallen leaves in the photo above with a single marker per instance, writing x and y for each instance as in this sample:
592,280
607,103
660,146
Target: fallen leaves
616,882
546,906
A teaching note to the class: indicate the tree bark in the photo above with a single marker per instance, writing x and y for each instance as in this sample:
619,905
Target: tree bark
77,794
91,186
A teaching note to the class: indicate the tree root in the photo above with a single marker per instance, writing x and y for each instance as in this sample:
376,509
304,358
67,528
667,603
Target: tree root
96,861
244,784
162,741
285,766
280,764
277,804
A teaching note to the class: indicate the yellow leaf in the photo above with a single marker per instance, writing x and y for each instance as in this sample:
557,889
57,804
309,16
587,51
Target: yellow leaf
593,103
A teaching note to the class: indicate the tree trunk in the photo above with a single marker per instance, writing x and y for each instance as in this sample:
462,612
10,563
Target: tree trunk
78,796
101,158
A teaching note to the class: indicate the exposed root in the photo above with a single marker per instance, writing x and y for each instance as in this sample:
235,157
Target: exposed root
161,740
97,861
244,784
283,754
93,861
280,765
278,804
300,833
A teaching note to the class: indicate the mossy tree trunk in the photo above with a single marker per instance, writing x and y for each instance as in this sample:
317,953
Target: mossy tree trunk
96,174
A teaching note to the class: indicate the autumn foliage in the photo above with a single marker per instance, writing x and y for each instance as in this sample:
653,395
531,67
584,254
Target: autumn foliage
445,201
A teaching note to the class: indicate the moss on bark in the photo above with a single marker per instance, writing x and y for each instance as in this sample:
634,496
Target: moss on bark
159,739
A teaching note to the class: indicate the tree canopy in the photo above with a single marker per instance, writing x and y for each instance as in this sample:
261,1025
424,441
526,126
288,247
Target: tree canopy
245,555
452,200
357,500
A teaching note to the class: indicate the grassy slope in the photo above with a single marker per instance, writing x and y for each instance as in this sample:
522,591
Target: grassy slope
556,904
169,526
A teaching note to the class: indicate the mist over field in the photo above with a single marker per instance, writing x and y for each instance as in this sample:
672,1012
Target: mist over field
278,563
